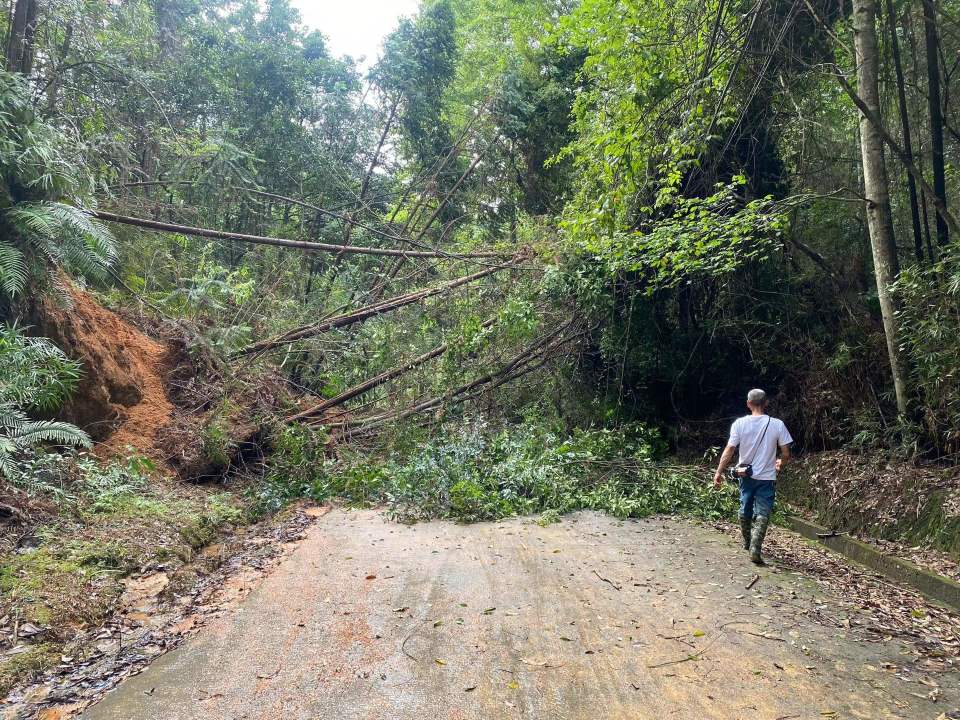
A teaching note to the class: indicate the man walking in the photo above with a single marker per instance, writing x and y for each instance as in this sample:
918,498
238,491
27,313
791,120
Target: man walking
758,436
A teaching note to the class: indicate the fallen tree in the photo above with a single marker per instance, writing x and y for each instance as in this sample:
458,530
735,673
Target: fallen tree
305,245
365,313
374,382
529,359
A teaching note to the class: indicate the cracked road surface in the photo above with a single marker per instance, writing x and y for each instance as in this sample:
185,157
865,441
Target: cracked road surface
588,618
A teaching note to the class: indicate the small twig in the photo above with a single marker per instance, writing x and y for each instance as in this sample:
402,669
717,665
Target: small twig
756,579
678,638
403,647
606,580
688,658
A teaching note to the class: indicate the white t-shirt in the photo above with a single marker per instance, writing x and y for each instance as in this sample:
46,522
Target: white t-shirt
746,432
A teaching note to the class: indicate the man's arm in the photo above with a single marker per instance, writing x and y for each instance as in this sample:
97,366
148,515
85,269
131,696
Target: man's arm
725,459
784,458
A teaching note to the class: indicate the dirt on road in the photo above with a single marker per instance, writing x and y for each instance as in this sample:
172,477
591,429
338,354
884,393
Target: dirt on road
588,618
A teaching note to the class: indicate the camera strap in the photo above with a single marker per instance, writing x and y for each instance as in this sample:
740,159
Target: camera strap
757,446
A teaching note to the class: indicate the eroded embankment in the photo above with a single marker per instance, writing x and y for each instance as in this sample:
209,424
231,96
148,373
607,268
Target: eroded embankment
121,399
901,507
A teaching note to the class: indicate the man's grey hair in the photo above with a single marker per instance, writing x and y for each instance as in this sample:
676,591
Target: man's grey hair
757,397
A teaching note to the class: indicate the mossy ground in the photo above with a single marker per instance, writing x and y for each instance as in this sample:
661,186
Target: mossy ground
67,571
32,661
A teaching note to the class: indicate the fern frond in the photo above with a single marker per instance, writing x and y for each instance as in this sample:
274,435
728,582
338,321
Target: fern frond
65,235
13,269
6,463
34,373
12,420
52,431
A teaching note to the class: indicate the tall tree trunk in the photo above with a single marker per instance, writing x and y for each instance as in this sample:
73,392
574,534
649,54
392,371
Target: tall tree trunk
876,188
65,48
936,112
20,43
905,126
914,53
926,224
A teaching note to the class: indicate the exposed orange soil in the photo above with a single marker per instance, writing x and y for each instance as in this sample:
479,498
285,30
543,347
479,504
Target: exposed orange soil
121,399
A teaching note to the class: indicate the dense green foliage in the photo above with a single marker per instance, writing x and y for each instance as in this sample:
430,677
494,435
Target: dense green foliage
623,214
35,375
476,472
677,182
42,223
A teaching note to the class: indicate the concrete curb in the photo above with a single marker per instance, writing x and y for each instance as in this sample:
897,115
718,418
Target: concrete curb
935,587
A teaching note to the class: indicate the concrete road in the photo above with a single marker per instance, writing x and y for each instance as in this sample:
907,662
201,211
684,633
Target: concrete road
589,618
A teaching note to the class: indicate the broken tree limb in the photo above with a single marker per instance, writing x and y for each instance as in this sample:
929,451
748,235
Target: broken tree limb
305,245
380,287
489,383
374,382
365,185
532,357
365,313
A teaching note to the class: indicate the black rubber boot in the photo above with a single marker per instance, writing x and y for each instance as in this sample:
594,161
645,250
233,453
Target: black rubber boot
760,525
745,523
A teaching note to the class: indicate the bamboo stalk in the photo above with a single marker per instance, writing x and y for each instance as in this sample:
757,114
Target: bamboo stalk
365,313
284,242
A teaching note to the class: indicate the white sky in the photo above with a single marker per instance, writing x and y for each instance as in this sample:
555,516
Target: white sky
355,27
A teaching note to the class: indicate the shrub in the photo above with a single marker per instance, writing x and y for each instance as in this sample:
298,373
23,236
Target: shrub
297,469
34,375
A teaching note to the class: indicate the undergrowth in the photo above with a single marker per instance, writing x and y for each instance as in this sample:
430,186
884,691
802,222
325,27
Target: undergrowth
475,472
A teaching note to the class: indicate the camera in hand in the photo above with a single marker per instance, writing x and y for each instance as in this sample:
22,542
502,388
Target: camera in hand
741,471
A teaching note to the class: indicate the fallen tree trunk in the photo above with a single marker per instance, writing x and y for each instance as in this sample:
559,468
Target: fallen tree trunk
364,313
284,242
374,382
521,364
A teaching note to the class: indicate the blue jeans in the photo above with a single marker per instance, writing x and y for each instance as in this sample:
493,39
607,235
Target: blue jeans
756,497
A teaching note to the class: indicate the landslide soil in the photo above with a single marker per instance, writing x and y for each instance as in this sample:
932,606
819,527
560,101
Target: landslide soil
121,399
